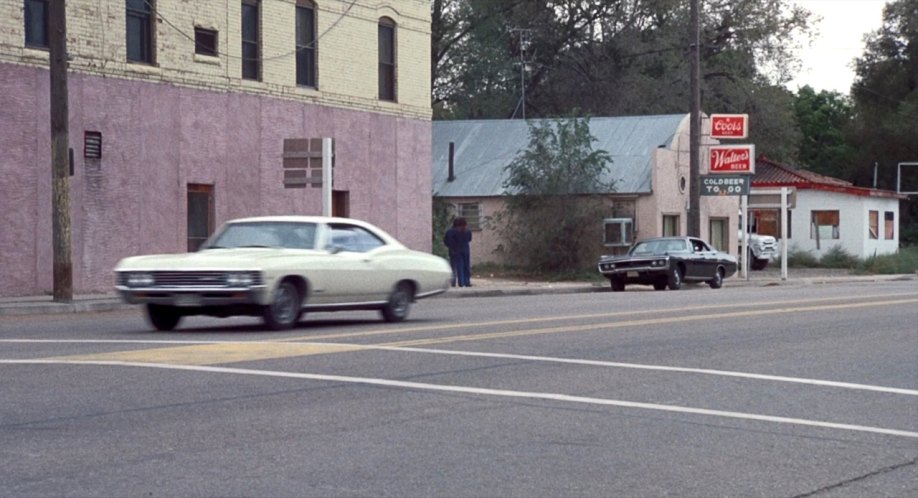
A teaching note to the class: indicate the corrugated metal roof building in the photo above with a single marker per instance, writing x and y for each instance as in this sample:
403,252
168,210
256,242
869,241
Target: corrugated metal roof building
650,169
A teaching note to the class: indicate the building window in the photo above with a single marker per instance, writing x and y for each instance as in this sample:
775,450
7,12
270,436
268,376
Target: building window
387,59
251,63
139,31
824,225
200,214
874,229
305,43
36,23
205,41
472,214
889,225
719,237
618,231
670,225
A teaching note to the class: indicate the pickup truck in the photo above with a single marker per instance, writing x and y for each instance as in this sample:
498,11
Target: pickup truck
761,249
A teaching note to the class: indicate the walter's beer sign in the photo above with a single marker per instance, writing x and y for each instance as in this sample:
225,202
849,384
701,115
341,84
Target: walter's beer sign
729,126
732,159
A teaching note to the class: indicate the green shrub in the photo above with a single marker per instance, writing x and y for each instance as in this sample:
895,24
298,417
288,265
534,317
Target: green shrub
904,261
798,258
838,257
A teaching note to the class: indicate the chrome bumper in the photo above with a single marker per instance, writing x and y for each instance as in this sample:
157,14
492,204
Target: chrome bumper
192,297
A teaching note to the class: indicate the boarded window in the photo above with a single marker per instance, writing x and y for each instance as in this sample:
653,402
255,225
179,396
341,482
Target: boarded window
874,228
824,225
889,225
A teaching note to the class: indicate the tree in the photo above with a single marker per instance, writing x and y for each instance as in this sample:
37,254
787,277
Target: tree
554,197
824,118
885,94
614,58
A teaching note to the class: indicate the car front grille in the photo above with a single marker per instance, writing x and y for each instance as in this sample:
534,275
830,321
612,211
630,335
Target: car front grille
199,278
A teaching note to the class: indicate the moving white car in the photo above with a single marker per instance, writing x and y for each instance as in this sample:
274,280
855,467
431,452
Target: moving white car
279,267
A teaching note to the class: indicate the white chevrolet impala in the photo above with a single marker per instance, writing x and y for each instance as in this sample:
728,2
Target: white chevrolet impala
278,267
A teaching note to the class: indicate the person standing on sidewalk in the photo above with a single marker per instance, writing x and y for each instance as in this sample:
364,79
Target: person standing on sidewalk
457,241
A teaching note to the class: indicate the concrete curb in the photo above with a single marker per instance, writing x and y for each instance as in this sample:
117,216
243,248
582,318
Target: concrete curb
43,305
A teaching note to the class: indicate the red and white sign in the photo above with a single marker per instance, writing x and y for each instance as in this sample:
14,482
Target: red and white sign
729,126
732,159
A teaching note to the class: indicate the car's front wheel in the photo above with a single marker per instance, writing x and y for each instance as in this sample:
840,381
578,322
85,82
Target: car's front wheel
399,303
675,278
618,284
163,317
718,281
285,308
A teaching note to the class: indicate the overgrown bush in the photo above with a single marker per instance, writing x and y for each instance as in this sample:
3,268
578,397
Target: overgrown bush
798,258
838,257
905,261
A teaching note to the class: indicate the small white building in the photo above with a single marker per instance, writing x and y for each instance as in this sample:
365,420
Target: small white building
827,212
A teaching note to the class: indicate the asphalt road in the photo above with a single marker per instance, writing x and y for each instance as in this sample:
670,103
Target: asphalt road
755,391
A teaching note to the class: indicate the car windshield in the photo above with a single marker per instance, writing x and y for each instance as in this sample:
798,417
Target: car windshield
658,247
286,234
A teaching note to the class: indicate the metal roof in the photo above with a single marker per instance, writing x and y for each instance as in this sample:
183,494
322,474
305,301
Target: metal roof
483,148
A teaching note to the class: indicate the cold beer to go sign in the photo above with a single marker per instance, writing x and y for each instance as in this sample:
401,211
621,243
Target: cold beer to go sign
734,159
729,126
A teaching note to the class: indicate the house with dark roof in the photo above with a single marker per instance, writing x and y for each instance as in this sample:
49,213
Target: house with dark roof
650,168
826,212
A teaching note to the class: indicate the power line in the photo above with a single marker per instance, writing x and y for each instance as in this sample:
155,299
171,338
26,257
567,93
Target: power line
311,44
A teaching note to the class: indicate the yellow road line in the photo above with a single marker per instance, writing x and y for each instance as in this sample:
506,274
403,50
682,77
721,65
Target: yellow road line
212,354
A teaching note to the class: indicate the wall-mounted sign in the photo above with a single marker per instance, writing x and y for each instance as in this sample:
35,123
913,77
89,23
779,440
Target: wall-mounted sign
729,126
732,159
725,184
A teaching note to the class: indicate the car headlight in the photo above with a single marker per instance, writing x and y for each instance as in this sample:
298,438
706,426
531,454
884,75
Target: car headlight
658,262
239,279
139,279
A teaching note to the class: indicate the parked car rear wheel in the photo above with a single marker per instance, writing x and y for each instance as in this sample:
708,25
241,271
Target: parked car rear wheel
399,304
718,281
285,308
675,279
163,317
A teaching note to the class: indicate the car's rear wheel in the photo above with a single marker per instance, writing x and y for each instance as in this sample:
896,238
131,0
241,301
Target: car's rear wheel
675,278
718,281
163,317
399,303
618,284
285,308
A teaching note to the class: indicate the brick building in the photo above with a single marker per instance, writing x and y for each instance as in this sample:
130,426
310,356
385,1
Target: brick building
180,115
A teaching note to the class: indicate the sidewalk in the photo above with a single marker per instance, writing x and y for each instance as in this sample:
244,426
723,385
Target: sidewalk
482,286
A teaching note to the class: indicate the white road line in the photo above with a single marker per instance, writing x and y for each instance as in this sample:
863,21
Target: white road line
547,359
489,392
725,373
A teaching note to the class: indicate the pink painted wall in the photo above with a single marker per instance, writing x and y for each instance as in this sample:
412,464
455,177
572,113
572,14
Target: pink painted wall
157,138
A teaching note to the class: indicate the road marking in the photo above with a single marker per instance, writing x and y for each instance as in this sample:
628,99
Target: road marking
614,314
211,354
488,392
215,353
321,348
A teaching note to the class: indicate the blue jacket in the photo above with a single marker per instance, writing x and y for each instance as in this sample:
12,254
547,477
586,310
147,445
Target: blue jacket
457,241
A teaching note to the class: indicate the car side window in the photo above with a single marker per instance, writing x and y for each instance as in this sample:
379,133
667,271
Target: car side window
354,239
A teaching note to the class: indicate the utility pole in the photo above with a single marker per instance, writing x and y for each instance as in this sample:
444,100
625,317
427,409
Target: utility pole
694,212
60,158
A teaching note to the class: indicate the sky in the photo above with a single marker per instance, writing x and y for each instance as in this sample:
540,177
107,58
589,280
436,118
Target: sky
827,62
